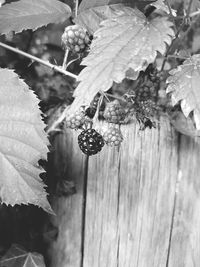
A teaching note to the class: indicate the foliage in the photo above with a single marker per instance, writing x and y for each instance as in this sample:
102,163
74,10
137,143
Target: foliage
23,143
129,33
26,14
184,85
17,256
141,52
127,38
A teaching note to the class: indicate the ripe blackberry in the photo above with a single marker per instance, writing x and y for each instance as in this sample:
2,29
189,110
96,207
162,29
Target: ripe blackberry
90,142
114,112
75,38
75,120
113,136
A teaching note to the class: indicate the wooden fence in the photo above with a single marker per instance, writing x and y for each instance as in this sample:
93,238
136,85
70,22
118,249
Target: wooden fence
137,206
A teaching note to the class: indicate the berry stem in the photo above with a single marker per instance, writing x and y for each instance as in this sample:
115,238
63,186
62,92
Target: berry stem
36,59
64,65
76,7
115,97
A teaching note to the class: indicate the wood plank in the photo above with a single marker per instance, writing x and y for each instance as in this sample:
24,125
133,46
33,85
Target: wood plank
185,245
130,197
66,250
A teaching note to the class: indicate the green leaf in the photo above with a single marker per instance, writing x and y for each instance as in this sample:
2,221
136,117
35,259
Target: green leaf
2,2
23,142
32,14
92,13
17,256
194,6
183,125
91,18
87,4
184,86
160,5
128,42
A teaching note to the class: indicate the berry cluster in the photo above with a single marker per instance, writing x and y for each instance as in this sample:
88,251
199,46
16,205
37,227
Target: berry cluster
143,98
75,38
140,102
89,140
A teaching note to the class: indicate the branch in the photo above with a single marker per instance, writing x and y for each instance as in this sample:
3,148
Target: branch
177,33
36,59
196,13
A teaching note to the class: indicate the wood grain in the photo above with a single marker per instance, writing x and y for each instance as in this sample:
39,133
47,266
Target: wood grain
130,198
141,205
185,243
66,250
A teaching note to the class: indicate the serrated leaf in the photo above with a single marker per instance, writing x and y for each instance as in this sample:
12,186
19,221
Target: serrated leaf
127,42
160,5
87,4
17,256
92,17
194,6
32,14
183,125
2,2
184,86
92,13
22,143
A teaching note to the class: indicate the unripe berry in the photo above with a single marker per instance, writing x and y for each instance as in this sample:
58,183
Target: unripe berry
75,38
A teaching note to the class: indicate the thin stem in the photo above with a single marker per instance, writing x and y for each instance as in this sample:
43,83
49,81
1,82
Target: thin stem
196,13
36,59
64,65
76,7
73,60
174,56
171,14
177,34
115,97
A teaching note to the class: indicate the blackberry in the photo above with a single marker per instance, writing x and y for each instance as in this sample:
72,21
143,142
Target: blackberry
113,136
114,112
90,142
75,120
75,38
